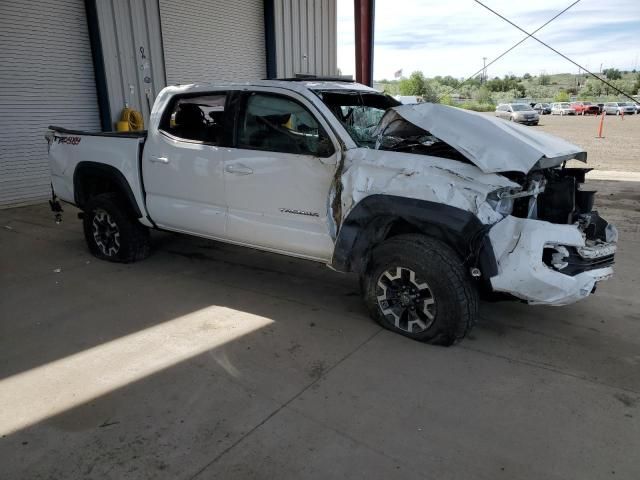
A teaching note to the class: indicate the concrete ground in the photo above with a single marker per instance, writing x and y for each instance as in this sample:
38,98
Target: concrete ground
618,150
212,361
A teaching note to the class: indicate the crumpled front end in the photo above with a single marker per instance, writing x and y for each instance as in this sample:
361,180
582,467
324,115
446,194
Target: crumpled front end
552,247
549,264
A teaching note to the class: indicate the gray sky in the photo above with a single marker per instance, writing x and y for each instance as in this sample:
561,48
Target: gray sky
451,37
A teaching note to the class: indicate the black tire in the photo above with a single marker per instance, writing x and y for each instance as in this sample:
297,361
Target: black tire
112,231
449,296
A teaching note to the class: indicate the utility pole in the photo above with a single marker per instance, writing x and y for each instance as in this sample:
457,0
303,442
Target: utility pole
483,79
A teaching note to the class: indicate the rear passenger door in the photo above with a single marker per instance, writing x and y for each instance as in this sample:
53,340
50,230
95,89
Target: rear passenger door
279,177
183,162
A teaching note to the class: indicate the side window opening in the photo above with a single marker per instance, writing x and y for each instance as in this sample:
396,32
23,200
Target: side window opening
279,124
196,118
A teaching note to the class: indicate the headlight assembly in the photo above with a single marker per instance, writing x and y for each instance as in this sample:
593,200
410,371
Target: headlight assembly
501,200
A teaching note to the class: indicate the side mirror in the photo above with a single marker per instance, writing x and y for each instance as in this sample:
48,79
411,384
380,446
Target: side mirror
325,150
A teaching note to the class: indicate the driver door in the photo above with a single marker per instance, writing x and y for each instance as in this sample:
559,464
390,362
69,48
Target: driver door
278,177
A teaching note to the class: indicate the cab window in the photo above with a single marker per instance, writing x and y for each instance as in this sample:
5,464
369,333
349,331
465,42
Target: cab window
196,118
276,123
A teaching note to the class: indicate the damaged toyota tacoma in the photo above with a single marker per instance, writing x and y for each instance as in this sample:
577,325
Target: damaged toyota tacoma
432,206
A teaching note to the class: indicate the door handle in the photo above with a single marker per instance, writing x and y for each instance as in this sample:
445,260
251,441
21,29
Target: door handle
238,169
159,159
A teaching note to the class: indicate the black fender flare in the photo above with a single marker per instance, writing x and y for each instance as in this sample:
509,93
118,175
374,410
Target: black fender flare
375,216
86,169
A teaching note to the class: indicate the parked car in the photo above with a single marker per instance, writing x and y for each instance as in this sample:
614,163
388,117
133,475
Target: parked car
430,205
518,112
409,99
585,108
542,108
618,108
562,108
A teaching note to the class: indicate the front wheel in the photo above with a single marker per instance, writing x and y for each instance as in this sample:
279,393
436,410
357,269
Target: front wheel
112,232
417,286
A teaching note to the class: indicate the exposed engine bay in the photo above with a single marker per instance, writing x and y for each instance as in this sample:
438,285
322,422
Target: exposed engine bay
559,196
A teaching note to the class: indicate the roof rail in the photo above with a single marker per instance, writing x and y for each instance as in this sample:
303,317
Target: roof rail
301,77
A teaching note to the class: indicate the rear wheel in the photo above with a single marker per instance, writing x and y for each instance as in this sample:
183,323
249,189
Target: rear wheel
112,232
418,287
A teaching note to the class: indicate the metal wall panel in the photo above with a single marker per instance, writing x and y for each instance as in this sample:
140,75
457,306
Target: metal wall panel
46,77
209,40
305,32
132,51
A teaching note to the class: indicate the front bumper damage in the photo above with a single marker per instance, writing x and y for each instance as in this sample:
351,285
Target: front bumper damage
519,246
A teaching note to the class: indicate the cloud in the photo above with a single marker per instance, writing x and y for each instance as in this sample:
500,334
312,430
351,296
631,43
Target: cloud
450,38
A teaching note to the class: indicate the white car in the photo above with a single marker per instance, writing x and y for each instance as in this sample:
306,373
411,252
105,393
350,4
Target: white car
430,205
562,108
518,112
619,108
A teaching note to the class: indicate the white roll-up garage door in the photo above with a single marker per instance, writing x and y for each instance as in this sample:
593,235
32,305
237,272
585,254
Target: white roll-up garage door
210,40
46,77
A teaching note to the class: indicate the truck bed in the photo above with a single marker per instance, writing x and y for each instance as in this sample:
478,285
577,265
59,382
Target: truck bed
71,151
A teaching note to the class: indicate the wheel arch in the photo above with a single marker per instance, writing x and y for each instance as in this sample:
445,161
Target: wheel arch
94,178
378,217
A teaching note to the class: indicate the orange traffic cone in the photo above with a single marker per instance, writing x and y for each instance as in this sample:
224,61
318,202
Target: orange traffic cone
602,115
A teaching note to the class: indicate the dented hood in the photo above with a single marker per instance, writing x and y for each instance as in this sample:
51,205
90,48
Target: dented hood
492,144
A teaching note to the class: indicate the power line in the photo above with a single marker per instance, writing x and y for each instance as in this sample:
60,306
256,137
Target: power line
556,51
483,69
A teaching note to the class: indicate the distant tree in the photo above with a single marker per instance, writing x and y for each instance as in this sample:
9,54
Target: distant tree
539,92
544,79
593,87
446,100
612,73
526,76
624,84
495,85
449,81
636,85
561,96
414,85
482,95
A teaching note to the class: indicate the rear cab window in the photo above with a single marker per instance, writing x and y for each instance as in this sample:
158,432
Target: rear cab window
196,118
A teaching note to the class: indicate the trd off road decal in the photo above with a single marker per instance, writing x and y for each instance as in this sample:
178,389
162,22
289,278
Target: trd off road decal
67,140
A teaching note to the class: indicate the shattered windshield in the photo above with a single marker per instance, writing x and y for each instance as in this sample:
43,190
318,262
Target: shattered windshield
359,112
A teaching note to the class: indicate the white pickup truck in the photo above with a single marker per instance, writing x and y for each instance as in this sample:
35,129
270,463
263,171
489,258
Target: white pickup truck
431,205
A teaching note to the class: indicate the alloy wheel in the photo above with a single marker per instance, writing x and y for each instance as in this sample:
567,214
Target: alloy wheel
405,300
106,233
